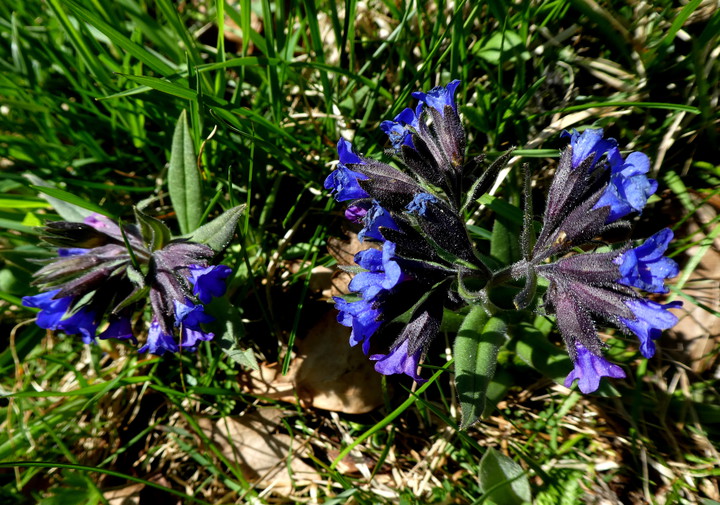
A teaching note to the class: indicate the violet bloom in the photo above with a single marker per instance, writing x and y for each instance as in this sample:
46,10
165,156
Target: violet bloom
589,369
158,342
399,361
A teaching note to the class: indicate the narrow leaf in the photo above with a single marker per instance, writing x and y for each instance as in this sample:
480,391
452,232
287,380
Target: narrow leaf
503,481
154,232
184,179
218,233
68,211
475,352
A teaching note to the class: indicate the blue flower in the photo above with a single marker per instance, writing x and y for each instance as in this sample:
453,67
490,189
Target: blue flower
399,130
190,315
209,282
439,97
650,319
398,361
119,327
645,267
629,188
362,316
374,218
71,251
383,271
590,143
419,203
589,369
52,310
191,336
82,322
343,182
158,342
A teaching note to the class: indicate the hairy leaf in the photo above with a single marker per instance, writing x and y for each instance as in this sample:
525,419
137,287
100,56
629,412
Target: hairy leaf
184,182
475,352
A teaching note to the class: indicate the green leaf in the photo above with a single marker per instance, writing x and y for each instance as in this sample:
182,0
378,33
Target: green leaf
503,481
503,45
234,331
184,181
476,348
71,210
218,233
533,348
505,242
154,232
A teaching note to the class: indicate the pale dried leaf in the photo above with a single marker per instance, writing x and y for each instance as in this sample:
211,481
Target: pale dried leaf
267,458
128,495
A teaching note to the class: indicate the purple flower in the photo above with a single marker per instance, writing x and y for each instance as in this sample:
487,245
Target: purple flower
355,213
439,97
590,143
209,282
589,369
374,218
158,342
399,130
52,310
650,319
343,182
191,336
419,203
399,361
629,188
645,267
362,316
120,328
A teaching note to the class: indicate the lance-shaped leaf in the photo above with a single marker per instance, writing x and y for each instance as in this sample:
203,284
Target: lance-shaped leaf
476,347
184,182
154,232
218,233
70,207
503,481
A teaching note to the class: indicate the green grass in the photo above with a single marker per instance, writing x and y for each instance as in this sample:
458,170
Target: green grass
91,93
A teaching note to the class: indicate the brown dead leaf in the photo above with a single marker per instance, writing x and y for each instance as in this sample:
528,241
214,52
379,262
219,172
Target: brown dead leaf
698,332
265,457
327,373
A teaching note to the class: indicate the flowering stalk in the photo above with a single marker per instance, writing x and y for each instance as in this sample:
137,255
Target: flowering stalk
105,272
428,262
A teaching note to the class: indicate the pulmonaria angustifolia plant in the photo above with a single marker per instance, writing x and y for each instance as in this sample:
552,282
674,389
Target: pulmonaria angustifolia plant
105,273
425,261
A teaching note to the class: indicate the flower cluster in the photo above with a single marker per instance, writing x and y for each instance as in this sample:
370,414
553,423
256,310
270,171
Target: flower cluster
428,261
415,213
593,190
105,272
